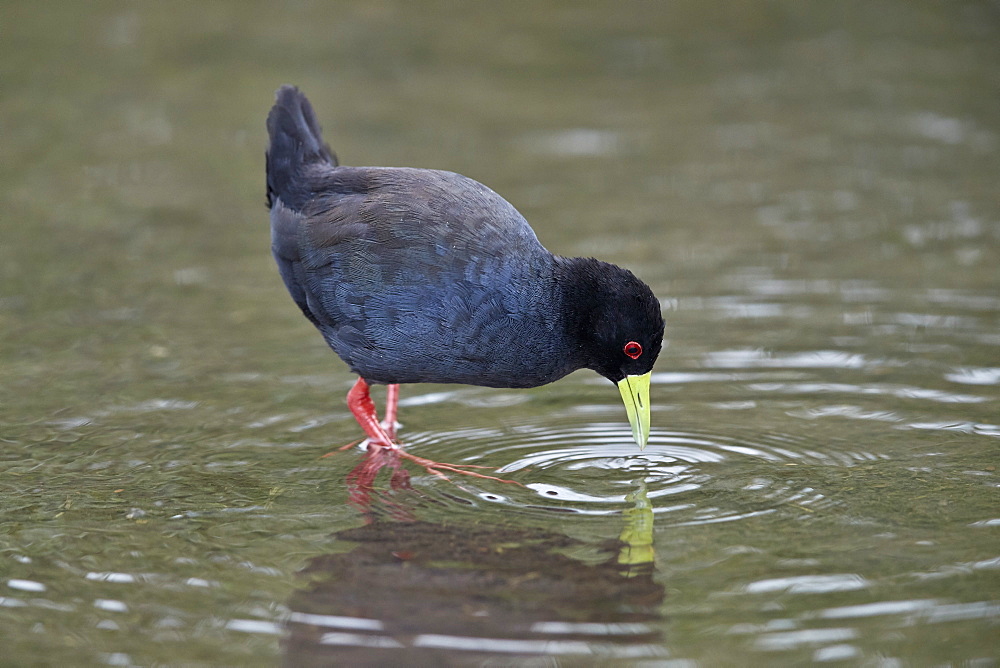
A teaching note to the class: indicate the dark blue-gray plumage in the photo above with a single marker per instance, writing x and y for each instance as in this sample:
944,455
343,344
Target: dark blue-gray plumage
416,275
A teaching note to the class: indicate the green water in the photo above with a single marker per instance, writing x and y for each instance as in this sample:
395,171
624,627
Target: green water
810,187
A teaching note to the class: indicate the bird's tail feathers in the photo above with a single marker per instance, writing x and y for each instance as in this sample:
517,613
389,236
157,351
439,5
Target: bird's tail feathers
295,141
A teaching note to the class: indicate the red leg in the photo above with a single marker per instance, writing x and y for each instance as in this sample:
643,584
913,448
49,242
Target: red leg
381,444
361,405
391,405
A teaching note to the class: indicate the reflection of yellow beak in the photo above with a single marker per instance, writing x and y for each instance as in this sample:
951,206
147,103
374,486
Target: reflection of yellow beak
635,394
636,554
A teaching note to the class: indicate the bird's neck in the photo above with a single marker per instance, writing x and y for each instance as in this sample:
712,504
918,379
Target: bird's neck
583,291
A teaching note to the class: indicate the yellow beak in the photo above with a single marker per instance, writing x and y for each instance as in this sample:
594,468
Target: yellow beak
635,394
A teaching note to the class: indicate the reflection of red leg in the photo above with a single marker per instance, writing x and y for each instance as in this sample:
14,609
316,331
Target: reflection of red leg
361,405
361,479
391,403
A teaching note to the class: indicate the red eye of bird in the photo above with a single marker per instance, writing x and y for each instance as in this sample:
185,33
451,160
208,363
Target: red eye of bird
633,349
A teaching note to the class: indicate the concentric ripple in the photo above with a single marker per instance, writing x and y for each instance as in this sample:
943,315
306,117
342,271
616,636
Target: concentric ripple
690,477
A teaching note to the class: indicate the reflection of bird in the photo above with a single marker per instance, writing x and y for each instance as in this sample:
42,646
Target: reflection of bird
485,594
424,276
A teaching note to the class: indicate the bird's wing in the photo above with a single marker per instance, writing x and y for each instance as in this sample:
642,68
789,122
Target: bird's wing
410,224
388,256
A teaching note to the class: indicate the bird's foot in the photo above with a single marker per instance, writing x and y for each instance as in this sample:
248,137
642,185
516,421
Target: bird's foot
437,468
380,454
361,479
382,446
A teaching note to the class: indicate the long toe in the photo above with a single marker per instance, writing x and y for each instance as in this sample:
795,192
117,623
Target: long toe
439,468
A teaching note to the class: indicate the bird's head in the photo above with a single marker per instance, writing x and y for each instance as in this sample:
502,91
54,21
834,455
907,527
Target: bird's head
620,335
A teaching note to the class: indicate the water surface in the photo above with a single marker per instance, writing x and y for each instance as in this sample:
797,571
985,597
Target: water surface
811,189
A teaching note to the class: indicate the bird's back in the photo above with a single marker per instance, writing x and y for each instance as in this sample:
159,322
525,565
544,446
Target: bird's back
411,275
